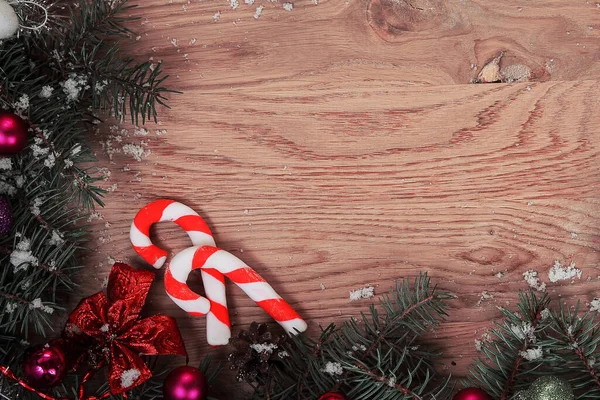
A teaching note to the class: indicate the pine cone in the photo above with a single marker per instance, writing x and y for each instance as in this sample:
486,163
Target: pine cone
256,349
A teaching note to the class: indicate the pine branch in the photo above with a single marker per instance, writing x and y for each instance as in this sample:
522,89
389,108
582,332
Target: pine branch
376,357
508,362
573,346
55,79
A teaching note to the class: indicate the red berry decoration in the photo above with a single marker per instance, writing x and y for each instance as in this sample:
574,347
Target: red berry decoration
333,396
13,133
45,366
185,383
472,393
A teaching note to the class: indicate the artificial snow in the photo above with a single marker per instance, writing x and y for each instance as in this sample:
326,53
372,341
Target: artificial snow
19,181
5,188
484,296
22,105
258,12
5,164
362,293
526,330
129,376
73,86
234,4
38,151
140,132
545,313
137,152
35,207
333,368
266,348
56,239
104,328
37,304
595,305
531,277
50,161
22,256
392,381
561,273
99,86
10,307
46,92
288,6
532,354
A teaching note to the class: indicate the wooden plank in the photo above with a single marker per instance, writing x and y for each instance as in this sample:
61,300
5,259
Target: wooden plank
447,42
325,152
347,190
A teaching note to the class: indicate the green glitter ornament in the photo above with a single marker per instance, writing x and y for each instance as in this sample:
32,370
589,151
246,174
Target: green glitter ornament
547,388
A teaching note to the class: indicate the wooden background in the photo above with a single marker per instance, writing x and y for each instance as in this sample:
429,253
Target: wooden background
346,143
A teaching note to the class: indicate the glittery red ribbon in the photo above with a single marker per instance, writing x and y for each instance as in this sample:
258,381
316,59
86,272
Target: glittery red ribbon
107,330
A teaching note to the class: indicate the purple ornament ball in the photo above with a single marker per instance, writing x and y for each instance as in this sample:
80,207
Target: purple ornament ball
185,383
6,217
45,366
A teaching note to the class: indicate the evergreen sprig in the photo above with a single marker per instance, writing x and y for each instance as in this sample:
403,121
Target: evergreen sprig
62,79
507,365
573,347
540,340
375,357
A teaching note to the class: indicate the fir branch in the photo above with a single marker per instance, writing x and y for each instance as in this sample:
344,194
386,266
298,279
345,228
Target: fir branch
573,347
504,370
376,357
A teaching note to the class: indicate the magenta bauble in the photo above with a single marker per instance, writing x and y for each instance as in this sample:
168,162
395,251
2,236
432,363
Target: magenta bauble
13,133
45,366
472,393
332,396
185,383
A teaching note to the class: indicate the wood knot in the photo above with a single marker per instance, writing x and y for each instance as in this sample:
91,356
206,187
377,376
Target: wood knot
390,18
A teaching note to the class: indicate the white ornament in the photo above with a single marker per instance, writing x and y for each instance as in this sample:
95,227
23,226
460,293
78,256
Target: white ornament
9,22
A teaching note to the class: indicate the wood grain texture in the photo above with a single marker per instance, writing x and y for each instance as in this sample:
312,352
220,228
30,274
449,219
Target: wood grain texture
341,144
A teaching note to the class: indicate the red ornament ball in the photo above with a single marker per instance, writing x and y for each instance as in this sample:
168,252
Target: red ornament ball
45,366
333,396
472,393
185,383
13,133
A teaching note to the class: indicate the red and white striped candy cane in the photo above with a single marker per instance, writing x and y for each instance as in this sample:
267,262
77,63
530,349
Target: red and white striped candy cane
166,210
216,263
215,307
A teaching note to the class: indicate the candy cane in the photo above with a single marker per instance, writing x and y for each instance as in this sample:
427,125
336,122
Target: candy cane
166,210
215,307
216,263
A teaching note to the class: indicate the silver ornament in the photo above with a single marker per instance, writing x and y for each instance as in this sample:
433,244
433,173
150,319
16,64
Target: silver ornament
9,21
547,388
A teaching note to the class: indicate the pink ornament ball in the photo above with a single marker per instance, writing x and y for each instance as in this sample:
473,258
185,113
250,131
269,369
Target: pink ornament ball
185,383
472,393
45,366
13,133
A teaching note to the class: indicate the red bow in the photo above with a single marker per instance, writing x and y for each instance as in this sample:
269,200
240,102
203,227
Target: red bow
109,329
